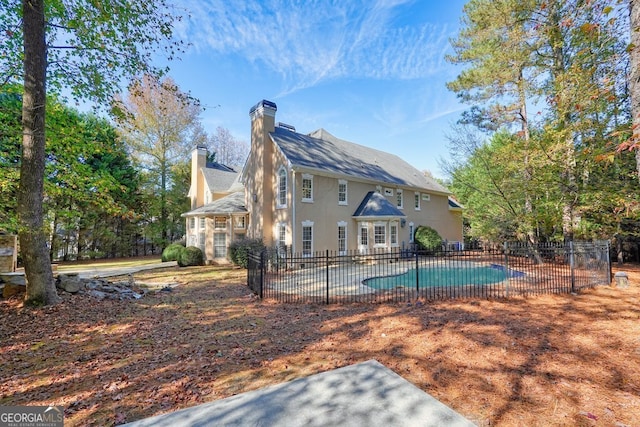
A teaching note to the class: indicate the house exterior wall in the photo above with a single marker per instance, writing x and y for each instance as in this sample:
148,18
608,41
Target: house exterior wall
325,212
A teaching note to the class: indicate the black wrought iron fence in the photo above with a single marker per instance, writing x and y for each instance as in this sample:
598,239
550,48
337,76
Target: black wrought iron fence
406,275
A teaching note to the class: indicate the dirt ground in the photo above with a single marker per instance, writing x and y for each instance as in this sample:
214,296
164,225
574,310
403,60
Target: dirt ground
555,360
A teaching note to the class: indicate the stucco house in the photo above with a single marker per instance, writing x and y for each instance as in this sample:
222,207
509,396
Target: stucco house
312,192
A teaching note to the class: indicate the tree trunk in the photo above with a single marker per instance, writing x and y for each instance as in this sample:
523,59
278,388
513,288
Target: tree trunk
634,76
41,288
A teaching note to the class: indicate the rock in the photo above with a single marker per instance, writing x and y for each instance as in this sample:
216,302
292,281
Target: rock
69,282
97,294
13,278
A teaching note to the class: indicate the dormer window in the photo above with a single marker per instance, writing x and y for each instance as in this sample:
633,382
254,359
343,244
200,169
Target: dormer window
307,188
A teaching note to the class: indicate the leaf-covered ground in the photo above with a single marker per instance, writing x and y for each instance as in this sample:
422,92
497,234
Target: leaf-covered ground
556,360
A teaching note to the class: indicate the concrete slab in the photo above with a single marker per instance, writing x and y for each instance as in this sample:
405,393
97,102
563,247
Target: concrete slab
366,394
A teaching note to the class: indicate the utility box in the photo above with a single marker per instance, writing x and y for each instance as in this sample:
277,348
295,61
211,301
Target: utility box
8,253
621,279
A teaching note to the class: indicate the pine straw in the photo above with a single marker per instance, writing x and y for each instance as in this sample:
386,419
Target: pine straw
556,360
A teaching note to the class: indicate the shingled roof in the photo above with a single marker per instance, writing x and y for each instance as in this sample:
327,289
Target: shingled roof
221,178
322,151
233,203
375,204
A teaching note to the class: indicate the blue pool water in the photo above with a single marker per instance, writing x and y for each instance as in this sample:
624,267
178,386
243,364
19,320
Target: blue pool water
444,276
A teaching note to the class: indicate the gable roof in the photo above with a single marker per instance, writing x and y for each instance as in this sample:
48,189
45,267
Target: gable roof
220,178
375,204
233,203
322,151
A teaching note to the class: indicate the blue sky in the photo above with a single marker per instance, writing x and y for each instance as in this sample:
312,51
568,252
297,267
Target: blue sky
370,72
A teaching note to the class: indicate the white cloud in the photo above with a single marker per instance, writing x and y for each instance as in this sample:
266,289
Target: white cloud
314,41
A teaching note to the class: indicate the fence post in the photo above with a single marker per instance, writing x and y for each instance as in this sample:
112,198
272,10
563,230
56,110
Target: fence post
572,265
417,275
327,268
262,253
506,267
608,255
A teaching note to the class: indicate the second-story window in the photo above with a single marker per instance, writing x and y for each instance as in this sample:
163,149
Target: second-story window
399,198
342,192
282,187
416,201
307,188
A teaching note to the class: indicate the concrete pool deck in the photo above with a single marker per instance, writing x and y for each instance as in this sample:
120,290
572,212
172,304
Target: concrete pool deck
365,394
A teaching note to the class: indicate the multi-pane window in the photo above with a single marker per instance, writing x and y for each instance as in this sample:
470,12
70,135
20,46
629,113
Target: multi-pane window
219,245
201,240
411,232
342,238
202,222
399,198
282,235
239,222
379,234
393,233
364,236
282,187
307,188
307,238
416,201
342,192
220,223
192,223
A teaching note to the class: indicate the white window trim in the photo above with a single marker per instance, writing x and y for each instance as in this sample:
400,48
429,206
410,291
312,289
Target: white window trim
426,197
215,225
346,239
363,226
281,226
235,221
307,224
397,226
411,232
346,192
309,177
384,227
400,192
280,205
202,223
416,198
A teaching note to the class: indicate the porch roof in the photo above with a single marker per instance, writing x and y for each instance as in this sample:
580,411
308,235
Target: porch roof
233,203
375,204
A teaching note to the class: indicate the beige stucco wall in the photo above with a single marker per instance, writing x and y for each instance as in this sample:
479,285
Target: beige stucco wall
259,177
325,212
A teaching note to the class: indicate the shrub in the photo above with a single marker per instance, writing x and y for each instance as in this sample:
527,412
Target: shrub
427,238
190,256
172,252
240,249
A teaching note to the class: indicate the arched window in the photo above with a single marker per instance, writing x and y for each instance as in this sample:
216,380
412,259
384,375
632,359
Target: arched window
282,187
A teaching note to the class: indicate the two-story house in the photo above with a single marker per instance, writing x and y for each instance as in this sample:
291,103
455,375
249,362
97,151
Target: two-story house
315,192
218,213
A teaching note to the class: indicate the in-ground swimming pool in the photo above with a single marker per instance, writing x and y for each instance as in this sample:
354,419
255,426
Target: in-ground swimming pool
443,276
